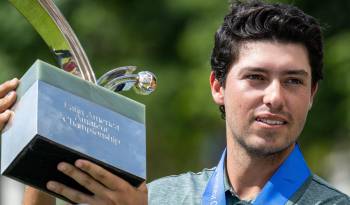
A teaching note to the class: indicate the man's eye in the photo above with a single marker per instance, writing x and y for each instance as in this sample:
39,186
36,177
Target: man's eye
294,81
255,77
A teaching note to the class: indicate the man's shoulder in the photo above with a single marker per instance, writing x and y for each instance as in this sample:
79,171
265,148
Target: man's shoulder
318,191
183,179
320,186
187,187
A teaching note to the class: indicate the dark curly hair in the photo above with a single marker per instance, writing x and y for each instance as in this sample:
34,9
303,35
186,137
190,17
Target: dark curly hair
256,20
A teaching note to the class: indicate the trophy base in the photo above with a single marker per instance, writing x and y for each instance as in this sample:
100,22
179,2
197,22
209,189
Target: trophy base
61,118
43,155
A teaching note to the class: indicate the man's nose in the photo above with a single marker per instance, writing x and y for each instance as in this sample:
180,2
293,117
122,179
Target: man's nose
274,96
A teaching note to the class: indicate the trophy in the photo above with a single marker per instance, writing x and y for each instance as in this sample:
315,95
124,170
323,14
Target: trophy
65,113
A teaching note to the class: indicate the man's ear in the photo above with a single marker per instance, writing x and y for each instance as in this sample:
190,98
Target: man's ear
217,90
314,89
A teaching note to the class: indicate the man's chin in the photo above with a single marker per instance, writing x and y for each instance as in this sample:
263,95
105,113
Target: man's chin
263,150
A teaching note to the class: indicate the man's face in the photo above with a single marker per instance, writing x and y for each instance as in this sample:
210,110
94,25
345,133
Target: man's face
267,96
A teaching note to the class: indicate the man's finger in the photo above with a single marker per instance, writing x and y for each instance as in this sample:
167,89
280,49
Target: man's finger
103,176
81,177
8,86
4,118
7,101
142,187
67,192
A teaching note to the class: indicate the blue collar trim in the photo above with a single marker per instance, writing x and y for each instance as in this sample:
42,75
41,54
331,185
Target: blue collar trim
288,178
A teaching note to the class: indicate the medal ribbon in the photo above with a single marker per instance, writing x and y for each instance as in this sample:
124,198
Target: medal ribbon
214,193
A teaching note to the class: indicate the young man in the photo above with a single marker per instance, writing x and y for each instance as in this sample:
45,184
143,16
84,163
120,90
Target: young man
266,63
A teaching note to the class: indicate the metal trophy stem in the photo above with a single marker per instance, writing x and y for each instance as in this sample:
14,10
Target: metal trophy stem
49,22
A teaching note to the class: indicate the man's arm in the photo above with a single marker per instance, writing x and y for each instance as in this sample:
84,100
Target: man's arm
33,196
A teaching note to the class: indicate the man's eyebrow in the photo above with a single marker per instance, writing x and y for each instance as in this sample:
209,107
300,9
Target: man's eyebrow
300,72
255,69
296,72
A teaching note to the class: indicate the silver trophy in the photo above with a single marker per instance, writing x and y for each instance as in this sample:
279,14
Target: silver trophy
59,117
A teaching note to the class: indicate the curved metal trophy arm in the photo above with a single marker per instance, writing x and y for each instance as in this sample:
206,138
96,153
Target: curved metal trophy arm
48,21
113,74
122,79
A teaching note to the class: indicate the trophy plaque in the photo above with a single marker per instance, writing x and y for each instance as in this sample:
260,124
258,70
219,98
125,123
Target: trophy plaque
65,114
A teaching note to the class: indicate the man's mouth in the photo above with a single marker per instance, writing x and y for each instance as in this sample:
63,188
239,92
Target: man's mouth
271,122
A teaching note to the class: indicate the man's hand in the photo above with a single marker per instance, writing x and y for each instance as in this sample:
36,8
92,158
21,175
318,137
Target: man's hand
7,99
108,189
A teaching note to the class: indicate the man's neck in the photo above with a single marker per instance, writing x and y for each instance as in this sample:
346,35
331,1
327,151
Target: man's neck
249,173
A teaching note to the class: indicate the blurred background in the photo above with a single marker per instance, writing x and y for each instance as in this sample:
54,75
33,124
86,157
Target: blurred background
174,39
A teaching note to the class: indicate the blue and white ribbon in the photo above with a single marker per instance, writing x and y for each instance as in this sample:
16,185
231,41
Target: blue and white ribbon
214,193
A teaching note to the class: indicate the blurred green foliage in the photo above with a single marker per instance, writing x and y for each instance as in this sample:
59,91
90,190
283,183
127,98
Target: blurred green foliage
174,39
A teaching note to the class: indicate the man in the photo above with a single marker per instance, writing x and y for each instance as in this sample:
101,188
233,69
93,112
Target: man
266,65
267,62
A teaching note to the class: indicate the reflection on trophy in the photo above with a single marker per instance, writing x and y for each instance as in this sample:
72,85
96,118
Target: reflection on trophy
60,117
122,79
